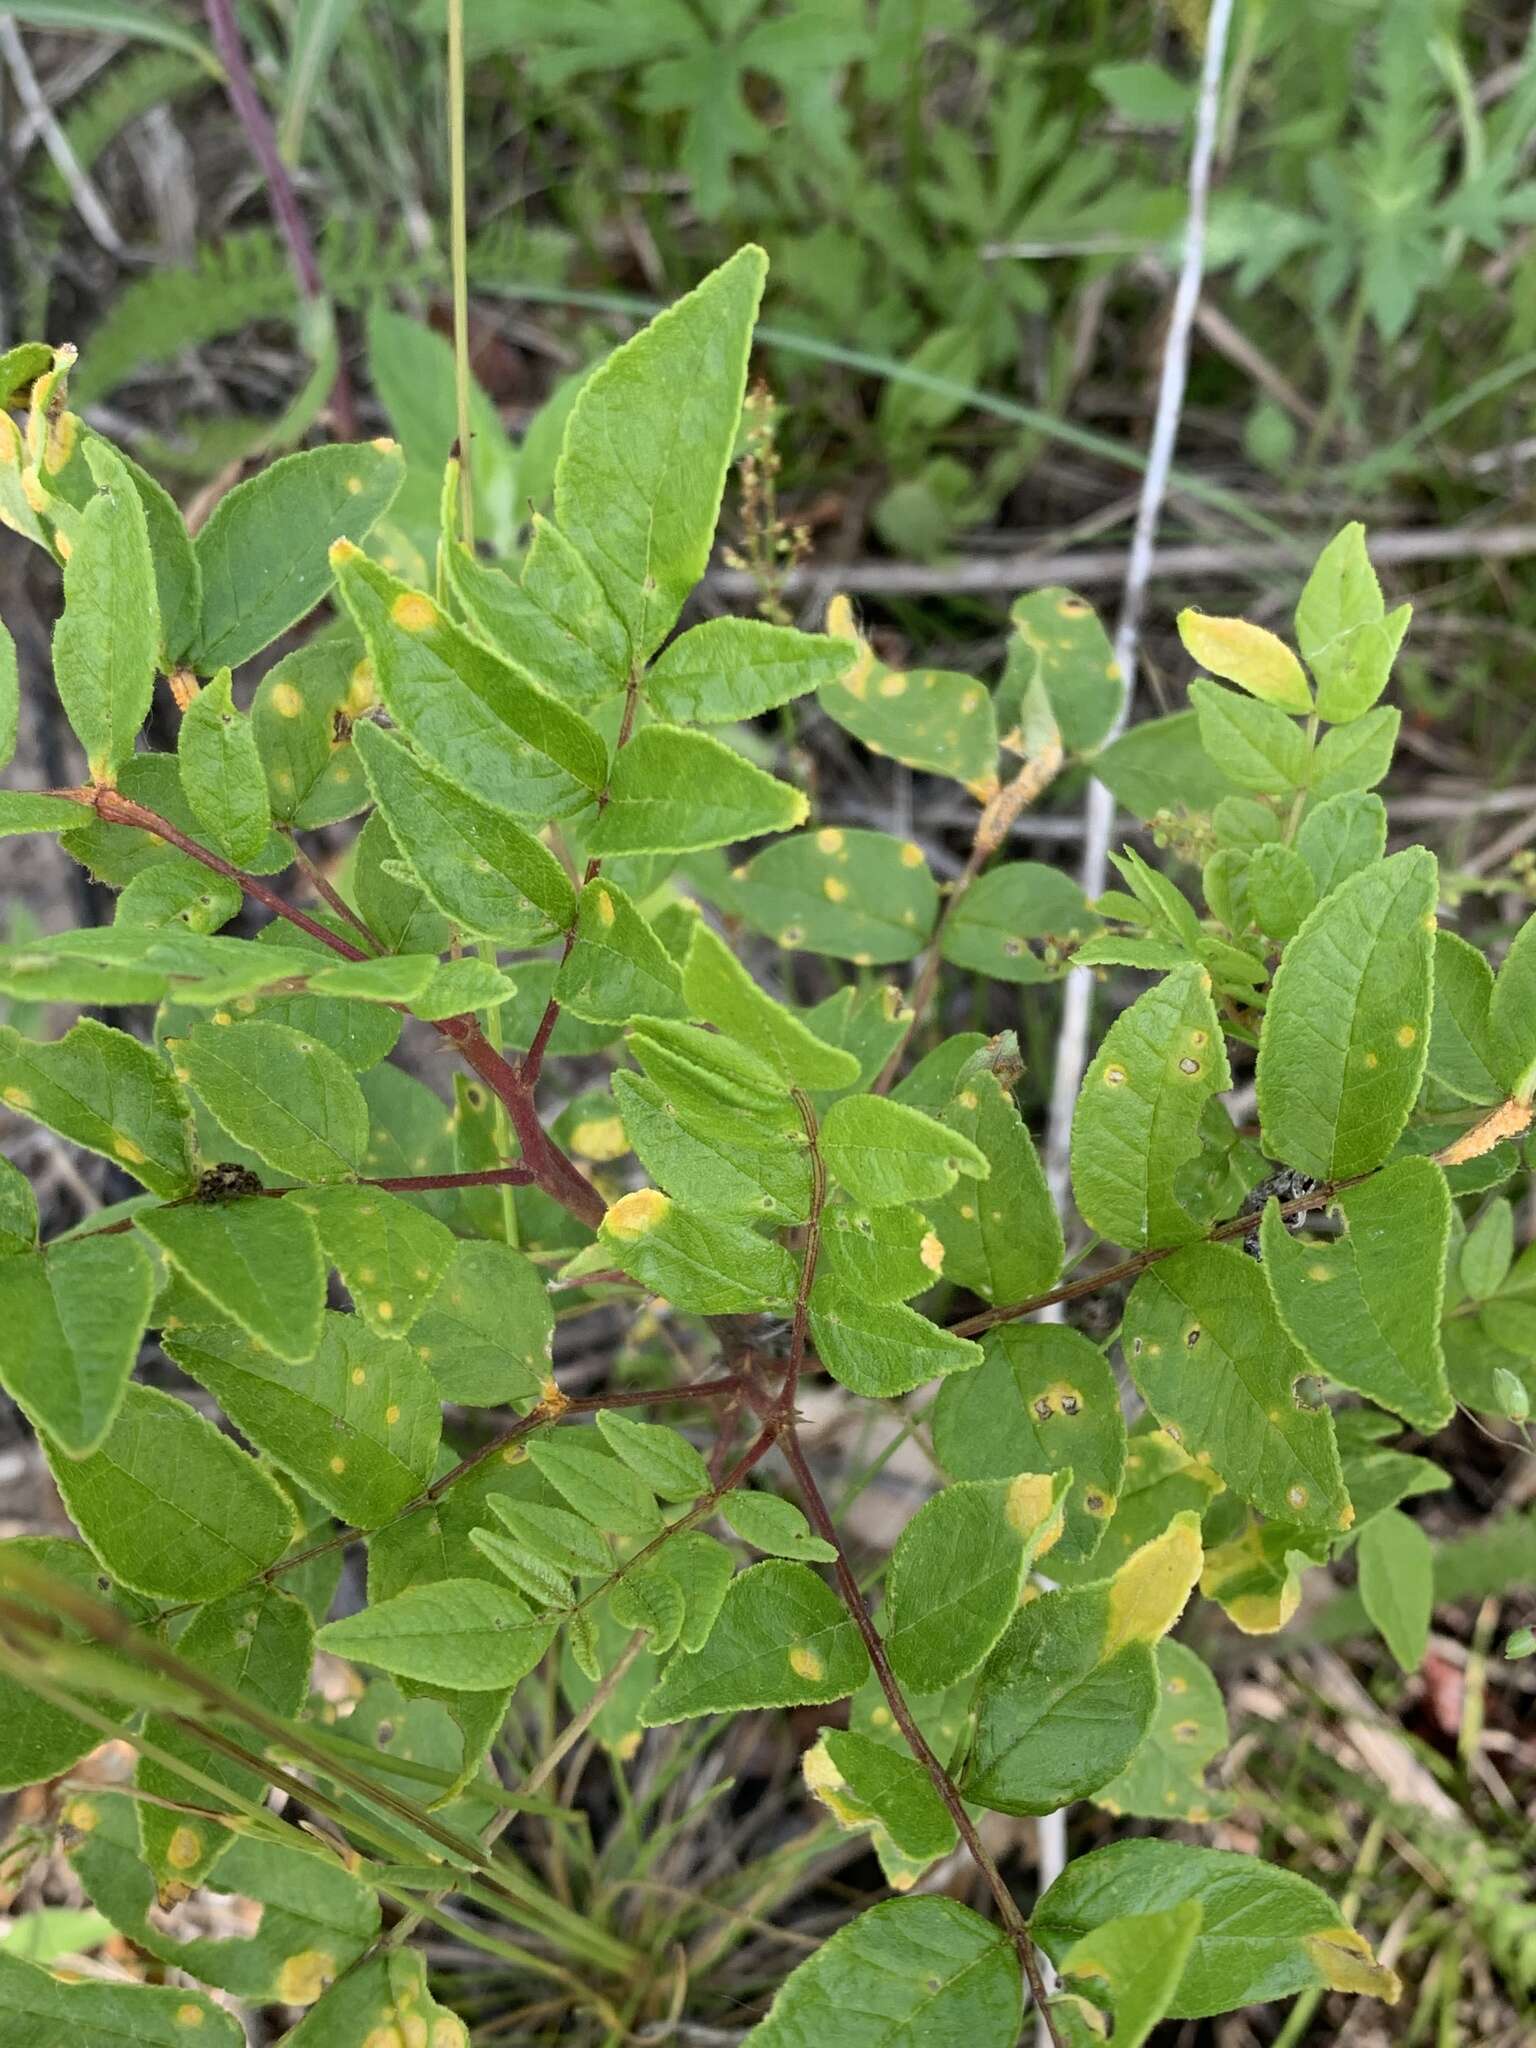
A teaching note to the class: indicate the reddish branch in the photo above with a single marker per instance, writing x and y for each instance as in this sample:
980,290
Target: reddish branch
848,1587
253,118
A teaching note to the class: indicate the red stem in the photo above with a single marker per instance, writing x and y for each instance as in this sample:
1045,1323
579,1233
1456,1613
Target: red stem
1013,1920
252,116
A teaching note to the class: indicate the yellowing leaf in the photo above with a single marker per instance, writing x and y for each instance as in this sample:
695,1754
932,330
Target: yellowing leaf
1148,1593
1257,660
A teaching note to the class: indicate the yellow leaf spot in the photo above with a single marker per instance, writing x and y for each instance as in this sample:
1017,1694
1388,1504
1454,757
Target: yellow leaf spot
931,1252
64,544
805,1663
840,624
1296,1496
354,485
911,856
81,1815
414,613
1114,1077
830,840
126,1149
222,1017
1406,1034
184,1849
18,1098
358,1376
189,2015
392,1413
1028,1504
304,1976
286,701
893,686
834,889
1148,1593
385,1311
632,1216
628,1746
600,1137
969,1099
605,910
968,1212
384,2037
1371,1060
338,1464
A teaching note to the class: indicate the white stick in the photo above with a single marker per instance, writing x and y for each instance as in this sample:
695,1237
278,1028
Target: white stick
1072,1045
89,203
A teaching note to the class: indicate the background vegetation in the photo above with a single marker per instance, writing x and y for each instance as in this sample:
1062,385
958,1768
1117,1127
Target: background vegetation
973,216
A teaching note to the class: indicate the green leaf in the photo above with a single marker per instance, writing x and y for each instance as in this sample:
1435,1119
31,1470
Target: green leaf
301,717
221,1523
1281,891
388,1991
263,553
783,1639
486,1333
74,1314
707,1264
288,1097
729,669
1343,631
21,811
221,771
699,1154
617,968
1134,1965
1070,1692
642,467
10,698
861,1782
554,1535
1060,651
860,896
1357,758
929,718
1162,765
1265,1933
475,862
178,581
1488,1252
1161,1480
463,1633
360,1034
660,1458
674,790
911,1973
588,1477
18,1210
1004,1244
1043,1400
39,1740
1397,1584
1512,1013
884,1152
1165,1779
557,623
1256,745
957,1571
719,991
479,720
1346,1030
104,1090
46,2010
881,1348
259,1643
130,18
105,643
883,1254
774,1526
991,923
1365,1306
1341,835
411,366
356,1424
1136,1132
257,1261
1217,1369
390,1256
1462,1055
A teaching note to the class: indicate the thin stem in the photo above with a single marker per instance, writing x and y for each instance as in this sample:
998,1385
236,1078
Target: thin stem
801,1318
458,247
252,116
1013,1920
392,1184
332,897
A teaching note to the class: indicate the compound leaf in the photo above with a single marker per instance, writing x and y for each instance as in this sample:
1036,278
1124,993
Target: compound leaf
782,1639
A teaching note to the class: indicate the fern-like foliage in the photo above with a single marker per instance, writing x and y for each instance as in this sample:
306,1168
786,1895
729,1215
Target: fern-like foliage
149,78
247,276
